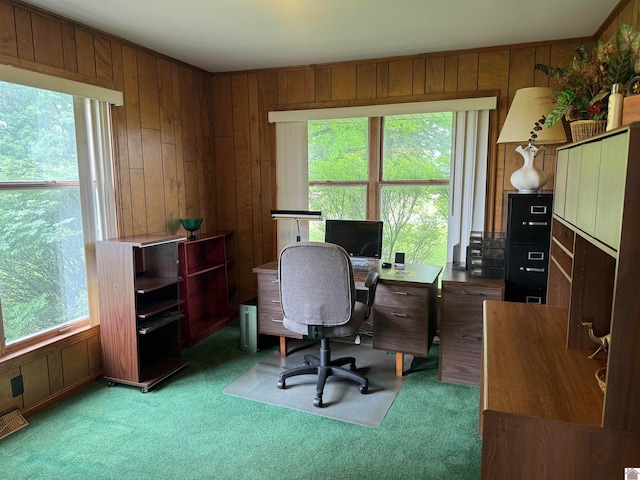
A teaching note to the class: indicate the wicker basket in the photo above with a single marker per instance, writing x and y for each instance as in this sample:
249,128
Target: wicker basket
583,129
601,376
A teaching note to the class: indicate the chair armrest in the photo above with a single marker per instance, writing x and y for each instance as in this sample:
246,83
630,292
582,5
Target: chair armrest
371,283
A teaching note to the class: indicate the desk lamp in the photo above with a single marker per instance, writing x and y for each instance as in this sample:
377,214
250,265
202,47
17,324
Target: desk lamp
528,107
296,215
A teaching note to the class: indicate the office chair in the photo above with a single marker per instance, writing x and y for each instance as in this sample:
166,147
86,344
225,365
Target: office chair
318,296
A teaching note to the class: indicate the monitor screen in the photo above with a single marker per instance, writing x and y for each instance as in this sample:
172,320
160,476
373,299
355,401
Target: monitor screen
360,238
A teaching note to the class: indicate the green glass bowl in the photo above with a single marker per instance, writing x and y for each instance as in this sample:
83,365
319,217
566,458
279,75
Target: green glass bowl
191,225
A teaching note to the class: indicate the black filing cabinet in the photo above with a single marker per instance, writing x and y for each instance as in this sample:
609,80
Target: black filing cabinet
527,252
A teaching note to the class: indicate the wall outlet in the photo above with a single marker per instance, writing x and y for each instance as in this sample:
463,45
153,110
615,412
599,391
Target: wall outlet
17,388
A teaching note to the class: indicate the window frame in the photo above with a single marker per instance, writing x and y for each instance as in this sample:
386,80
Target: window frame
470,163
375,181
91,107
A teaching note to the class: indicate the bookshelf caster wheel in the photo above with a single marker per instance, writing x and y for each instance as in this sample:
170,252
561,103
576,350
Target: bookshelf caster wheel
317,402
281,384
111,384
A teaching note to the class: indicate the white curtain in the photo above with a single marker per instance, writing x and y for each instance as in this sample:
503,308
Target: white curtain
468,178
96,186
292,176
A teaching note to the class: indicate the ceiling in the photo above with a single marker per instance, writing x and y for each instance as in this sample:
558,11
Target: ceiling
231,35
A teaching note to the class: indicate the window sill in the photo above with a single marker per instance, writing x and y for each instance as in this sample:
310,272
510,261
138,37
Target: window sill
47,346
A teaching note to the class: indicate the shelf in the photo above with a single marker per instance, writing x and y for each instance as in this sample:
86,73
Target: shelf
205,265
140,309
205,269
151,324
148,284
157,308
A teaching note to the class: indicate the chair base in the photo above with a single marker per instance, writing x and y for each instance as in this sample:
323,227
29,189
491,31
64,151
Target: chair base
324,367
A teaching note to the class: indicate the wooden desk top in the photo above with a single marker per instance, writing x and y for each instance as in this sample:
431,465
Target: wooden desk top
529,370
464,277
420,275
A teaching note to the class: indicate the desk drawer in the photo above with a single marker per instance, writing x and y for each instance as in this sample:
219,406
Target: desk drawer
403,297
461,359
268,287
401,330
270,323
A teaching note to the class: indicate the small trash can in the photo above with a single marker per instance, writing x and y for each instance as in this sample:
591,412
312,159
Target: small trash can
249,325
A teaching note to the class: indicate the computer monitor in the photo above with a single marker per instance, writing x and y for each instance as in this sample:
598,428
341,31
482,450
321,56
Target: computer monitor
360,238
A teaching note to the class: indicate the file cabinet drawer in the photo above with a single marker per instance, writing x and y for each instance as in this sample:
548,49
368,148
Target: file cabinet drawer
400,330
529,219
528,265
400,296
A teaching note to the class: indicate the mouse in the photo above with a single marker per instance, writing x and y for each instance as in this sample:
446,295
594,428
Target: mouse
386,265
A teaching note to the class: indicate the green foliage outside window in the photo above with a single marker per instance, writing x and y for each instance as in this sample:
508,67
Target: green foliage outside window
42,271
414,192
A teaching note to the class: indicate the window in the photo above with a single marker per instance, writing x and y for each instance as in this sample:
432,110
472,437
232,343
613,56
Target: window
410,187
414,196
338,170
420,167
54,199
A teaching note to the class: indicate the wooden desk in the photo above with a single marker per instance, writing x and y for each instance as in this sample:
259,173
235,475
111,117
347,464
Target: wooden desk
540,405
528,369
404,315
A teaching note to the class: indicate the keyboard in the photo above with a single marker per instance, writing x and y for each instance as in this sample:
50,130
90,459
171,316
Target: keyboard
362,268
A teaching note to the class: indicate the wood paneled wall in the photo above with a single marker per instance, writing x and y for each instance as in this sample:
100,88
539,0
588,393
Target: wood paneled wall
242,133
162,135
52,372
245,141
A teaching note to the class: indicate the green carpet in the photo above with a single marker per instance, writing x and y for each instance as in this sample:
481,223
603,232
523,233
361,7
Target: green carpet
187,428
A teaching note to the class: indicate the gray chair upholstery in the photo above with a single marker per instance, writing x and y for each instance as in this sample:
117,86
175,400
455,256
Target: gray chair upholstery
318,296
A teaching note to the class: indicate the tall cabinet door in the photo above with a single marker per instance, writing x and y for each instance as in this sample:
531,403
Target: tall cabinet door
611,182
588,191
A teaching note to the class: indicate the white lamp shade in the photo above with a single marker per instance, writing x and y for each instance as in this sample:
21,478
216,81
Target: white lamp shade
528,106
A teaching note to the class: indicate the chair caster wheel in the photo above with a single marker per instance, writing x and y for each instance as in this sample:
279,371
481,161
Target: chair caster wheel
352,367
317,402
281,384
305,364
363,389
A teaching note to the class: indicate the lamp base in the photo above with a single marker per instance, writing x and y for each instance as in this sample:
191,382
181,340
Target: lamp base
528,178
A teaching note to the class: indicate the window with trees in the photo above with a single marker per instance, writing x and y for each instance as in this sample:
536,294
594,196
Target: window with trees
421,167
406,185
52,207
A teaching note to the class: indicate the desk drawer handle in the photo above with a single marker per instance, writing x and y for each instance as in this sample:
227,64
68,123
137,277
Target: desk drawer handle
277,320
535,224
277,280
396,314
274,300
400,293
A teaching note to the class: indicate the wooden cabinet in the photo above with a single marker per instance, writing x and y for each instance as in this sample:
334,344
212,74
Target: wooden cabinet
461,324
140,309
549,385
205,287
